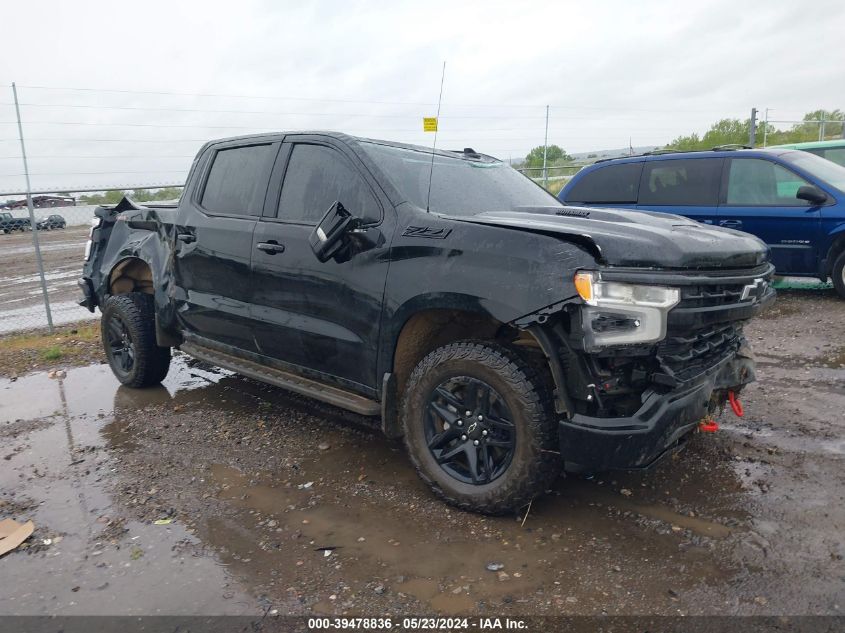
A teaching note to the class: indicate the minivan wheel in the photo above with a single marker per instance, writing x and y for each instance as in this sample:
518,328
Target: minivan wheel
479,427
128,333
838,274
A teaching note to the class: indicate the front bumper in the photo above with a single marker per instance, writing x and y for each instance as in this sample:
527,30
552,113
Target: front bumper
595,444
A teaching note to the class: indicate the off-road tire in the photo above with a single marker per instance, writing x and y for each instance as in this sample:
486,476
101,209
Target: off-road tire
838,274
536,461
136,310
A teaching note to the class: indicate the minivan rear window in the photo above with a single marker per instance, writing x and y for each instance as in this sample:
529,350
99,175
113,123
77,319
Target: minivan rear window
692,182
609,184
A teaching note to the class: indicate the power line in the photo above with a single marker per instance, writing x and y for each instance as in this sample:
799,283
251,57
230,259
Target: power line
99,173
273,112
110,156
625,108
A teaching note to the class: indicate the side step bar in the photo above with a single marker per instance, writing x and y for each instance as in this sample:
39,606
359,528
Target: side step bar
285,380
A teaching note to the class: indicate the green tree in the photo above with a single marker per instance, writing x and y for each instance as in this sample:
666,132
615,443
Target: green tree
553,154
724,132
735,131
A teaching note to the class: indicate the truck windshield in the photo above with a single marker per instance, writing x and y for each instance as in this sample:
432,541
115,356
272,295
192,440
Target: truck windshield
459,186
821,168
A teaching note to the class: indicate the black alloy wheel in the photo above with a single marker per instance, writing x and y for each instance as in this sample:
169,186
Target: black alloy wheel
470,430
129,340
120,347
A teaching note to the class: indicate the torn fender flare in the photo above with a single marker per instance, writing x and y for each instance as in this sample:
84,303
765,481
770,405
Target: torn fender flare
563,403
534,324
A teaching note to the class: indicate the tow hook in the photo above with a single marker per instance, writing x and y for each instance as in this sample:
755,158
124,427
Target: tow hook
708,425
736,405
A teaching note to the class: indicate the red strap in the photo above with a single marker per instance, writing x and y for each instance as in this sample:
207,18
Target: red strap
708,426
736,405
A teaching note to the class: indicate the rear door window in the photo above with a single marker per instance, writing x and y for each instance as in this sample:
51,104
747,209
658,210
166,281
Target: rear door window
237,180
692,182
316,177
611,184
761,183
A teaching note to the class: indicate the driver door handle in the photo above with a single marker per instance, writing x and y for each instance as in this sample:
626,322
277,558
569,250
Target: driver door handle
731,224
271,248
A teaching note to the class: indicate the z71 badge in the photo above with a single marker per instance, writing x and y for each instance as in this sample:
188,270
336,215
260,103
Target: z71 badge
426,231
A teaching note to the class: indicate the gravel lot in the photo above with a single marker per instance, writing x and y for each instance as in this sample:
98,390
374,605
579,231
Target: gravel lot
21,299
270,501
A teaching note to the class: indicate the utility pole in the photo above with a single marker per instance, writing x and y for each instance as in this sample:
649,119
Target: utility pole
545,151
32,222
821,127
752,131
766,127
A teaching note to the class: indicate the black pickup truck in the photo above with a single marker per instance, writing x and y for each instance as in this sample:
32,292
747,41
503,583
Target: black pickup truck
504,335
9,223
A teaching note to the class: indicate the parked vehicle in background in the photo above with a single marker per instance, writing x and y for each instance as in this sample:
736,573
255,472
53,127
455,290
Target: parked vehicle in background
500,333
51,222
831,150
792,200
9,223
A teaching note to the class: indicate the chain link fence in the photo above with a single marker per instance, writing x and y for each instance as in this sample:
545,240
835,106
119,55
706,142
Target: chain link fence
61,232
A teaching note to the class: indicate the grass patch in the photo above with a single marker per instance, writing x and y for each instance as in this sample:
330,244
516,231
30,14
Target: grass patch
41,339
52,353
71,345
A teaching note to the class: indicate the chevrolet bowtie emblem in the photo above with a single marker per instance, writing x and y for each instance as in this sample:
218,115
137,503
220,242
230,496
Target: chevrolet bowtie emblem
754,289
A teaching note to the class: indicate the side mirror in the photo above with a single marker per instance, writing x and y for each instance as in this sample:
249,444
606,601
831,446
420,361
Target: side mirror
327,237
811,194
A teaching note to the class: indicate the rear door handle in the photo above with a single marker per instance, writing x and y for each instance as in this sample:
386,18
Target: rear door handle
271,248
731,224
187,238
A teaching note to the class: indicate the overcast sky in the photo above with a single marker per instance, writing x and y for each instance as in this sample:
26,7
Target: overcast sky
611,71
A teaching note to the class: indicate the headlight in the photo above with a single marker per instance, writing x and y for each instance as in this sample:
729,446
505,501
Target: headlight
623,314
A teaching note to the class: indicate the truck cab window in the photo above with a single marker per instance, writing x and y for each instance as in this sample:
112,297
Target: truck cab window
690,182
315,178
237,181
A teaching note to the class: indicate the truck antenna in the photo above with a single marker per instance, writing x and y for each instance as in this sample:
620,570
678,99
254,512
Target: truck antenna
434,145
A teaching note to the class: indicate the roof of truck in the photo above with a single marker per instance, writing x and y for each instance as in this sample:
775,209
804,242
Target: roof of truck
467,153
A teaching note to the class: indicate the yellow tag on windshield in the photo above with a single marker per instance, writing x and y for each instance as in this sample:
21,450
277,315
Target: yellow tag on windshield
429,124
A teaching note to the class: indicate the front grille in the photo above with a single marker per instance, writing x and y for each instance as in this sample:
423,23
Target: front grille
710,296
683,357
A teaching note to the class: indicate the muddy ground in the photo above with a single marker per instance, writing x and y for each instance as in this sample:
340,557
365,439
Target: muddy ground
270,502
21,297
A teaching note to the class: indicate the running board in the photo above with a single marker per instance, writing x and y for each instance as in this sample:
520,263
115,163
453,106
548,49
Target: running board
285,380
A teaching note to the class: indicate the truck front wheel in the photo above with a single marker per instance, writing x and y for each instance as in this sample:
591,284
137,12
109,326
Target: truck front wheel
480,428
838,274
129,340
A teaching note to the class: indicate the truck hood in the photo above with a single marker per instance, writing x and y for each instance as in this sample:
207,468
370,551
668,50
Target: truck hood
620,237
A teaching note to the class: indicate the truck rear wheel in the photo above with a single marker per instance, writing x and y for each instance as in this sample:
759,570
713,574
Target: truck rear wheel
479,427
838,274
128,333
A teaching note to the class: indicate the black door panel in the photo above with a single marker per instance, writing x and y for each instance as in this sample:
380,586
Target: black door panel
323,317
214,242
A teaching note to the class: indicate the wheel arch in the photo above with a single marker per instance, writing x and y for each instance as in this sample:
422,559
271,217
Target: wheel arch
837,247
428,323
131,274
134,273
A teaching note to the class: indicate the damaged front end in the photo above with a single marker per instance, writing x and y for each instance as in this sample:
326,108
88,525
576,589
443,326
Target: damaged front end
640,358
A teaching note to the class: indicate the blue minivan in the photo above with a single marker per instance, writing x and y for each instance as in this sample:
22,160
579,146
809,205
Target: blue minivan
792,200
